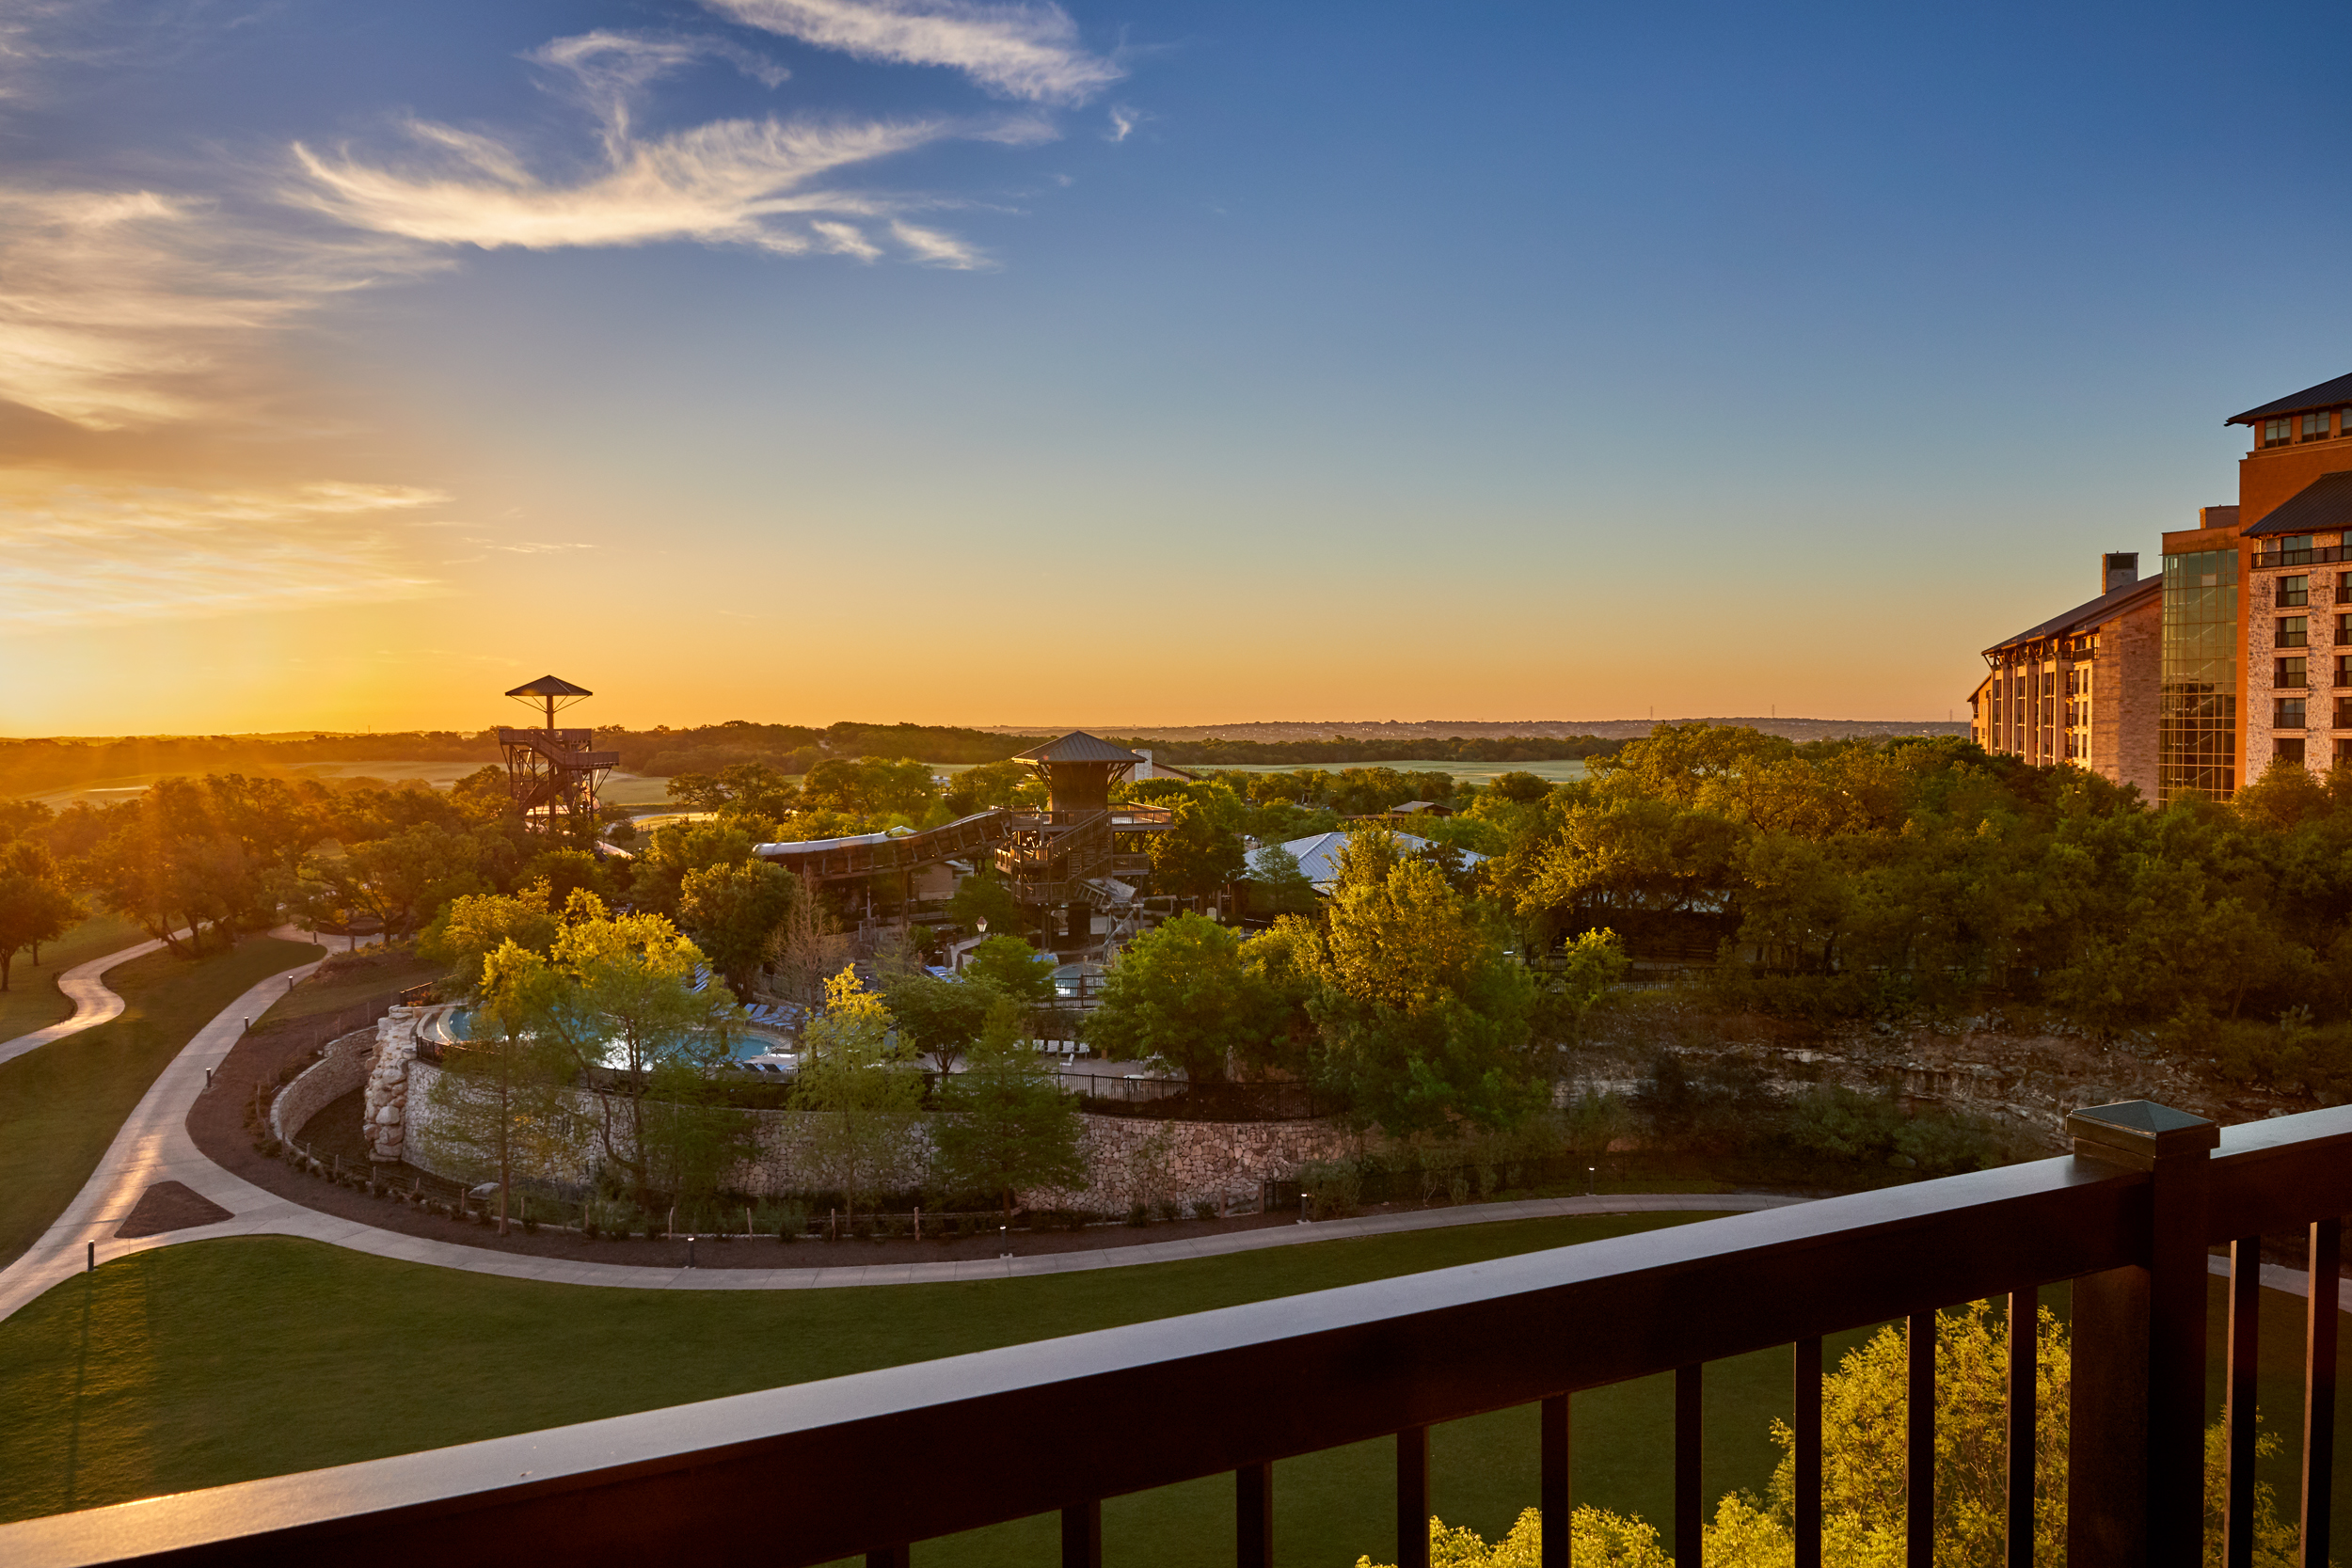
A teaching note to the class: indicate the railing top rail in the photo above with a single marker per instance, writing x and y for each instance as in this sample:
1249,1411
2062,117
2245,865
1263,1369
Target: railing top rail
1315,1371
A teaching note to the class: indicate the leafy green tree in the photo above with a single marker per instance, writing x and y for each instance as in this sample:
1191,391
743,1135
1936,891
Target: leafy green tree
1185,994
1014,967
1282,888
860,1083
34,907
983,895
734,912
1590,965
1202,851
498,1104
1863,1498
752,795
678,850
565,870
1008,1126
941,1016
404,878
614,1000
871,786
474,926
1519,788
1425,1016
992,783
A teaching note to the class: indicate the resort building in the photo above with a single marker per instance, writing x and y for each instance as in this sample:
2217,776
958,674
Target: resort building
2081,687
2237,654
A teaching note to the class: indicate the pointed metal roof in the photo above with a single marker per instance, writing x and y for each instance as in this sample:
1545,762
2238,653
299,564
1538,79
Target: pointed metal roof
2325,395
1077,746
2105,607
2323,506
548,686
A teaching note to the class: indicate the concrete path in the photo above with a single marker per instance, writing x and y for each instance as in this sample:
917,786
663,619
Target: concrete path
153,1146
2295,1282
93,1002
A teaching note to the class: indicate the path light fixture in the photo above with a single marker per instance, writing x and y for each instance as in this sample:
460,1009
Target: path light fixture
1591,1172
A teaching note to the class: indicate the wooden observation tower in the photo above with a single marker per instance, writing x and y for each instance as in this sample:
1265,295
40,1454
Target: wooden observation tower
550,772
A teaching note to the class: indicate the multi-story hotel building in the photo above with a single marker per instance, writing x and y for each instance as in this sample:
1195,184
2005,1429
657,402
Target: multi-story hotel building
2238,653
2081,687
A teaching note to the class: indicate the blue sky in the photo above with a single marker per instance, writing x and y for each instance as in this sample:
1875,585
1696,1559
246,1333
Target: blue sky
806,359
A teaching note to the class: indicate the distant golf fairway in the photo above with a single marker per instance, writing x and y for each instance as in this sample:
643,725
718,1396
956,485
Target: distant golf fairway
224,1360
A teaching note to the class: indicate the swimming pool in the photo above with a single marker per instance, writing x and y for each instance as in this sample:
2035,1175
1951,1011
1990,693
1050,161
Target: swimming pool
454,1023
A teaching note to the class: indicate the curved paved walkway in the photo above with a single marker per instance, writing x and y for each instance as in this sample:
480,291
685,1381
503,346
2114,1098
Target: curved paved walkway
94,1003
154,1146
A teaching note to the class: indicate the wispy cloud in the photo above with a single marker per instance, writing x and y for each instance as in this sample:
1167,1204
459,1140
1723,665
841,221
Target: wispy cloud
1020,50
937,249
124,309
1123,122
735,182
74,555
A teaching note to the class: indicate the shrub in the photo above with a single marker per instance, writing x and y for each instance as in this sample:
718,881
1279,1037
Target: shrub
1203,1209
1333,1187
1139,1214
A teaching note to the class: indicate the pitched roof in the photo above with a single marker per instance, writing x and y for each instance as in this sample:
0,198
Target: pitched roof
547,686
2325,395
1318,855
2105,608
2323,506
1077,746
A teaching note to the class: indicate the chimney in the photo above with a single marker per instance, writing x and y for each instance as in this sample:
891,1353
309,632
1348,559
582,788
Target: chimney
2216,517
2118,570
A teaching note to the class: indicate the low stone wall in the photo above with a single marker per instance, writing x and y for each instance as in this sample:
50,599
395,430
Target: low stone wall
343,1069
1129,1160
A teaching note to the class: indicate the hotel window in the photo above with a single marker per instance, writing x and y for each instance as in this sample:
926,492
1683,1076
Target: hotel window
2344,669
2289,673
2344,713
2294,631
2316,426
2278,433
2343,586
2291,751
2286,713
2343,628
2294,591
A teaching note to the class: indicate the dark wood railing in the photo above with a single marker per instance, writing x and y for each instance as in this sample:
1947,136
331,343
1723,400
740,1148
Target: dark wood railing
808,1474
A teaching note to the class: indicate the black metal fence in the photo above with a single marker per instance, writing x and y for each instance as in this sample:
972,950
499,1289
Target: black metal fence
1174,1099
810,1474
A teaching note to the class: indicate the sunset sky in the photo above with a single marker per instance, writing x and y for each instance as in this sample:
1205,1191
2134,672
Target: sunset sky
1187,363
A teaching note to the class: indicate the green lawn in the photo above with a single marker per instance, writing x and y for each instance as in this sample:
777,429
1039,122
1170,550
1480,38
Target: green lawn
33,1000
223,1361
61,1105
324,993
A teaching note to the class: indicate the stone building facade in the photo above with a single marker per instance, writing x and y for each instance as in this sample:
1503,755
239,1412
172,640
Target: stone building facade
2081,687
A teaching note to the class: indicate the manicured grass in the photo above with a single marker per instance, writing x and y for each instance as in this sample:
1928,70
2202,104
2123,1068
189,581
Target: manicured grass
61,1105
224,1360
33,1000
326,993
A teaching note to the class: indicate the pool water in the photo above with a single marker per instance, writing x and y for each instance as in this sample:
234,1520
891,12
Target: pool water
456,1025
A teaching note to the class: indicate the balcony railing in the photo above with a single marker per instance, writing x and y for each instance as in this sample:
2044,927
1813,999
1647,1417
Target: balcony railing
2319,557
816,1472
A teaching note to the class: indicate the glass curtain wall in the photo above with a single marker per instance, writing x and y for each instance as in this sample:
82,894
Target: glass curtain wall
2197,733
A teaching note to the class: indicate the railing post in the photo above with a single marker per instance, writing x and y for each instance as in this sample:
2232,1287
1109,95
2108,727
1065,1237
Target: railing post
2319,1387
1805,1426
2237,1401
1412,1498
1253,1516
2024,1427
1551,1486
2135,1410
1689,1505
1082,1534
1919,1440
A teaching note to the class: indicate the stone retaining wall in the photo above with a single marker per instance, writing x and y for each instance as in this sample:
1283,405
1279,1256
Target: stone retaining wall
393,1052
1129,1160
343,1069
